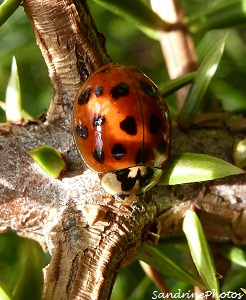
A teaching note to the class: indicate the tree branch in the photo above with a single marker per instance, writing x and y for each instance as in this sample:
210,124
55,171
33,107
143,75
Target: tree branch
70,43
89,235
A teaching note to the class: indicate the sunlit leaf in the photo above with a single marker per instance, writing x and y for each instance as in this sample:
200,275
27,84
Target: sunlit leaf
3,294
24,113
200,84
244,290
49,159
234,254
13,97
7,8
194,167
2,105
223,15
159,261
200,251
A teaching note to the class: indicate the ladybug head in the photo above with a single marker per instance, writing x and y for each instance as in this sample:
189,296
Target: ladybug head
130,181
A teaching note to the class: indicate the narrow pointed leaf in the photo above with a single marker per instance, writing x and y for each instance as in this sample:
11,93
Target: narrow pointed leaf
13,97
234,254
171,86
237,282
194,167
49,159
141,289
235,49
7,8
2,105
24,113
223,15
232,98
152,256
3,294
30,280
200,251
200,84
137,12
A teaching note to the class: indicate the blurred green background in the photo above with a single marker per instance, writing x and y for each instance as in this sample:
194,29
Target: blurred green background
126,45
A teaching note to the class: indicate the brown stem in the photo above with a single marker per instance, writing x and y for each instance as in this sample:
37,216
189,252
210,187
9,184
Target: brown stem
156,277
177,45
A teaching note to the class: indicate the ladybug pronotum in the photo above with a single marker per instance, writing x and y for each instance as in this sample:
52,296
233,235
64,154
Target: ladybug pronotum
122,129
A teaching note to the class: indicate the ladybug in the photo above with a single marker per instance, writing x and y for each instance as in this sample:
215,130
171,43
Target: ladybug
122,129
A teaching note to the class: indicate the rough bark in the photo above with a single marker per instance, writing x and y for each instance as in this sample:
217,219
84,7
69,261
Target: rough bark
91,237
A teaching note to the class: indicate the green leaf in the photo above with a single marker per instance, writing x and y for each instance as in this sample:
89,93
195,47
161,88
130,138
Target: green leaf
136,12
7,8
2,105
235,282
223,15
194,167
235,49
152,256
3,294
234,254
24,113
232,98
200,84
13,97
200,251
140,290
49,159
31,276
171,86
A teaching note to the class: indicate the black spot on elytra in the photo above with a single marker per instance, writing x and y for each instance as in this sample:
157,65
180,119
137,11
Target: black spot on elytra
120,90
142,156
99,120
81,131
129,125
154,124
148,89
118,151
84,97
98,155
98,91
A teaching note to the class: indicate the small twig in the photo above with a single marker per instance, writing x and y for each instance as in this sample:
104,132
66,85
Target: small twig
177,45
156,277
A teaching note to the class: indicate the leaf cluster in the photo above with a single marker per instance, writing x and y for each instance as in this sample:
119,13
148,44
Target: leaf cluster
221,75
